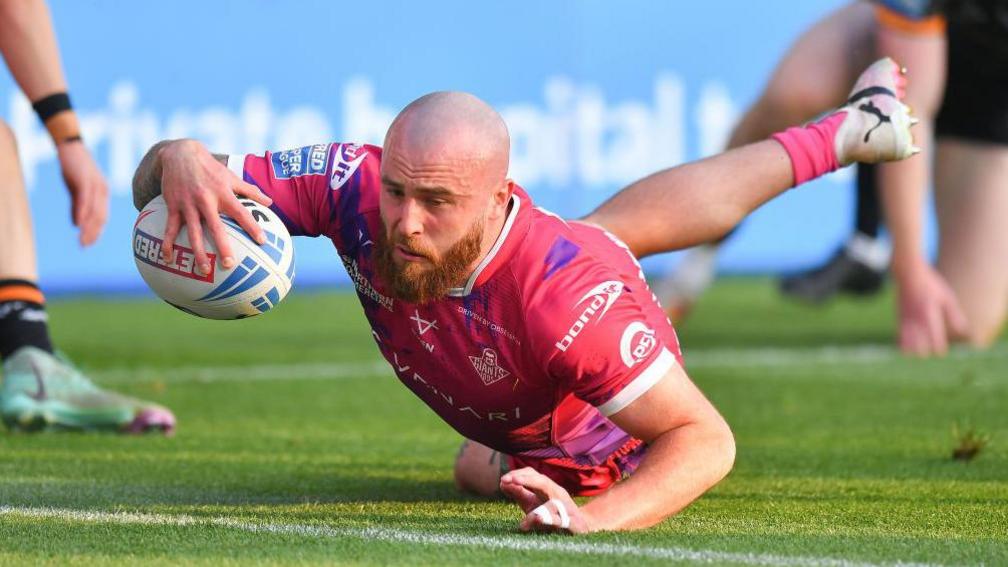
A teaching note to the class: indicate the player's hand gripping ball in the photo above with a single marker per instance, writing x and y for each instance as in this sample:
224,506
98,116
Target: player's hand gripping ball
261,277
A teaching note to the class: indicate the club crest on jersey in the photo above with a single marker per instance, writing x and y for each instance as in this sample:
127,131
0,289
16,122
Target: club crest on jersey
602,297
487,368
637,342
348,159
307,160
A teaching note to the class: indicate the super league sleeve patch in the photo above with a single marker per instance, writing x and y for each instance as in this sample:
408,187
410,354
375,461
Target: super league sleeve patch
306,160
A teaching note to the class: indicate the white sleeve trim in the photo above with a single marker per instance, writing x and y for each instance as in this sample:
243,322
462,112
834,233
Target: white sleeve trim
236,163
642,383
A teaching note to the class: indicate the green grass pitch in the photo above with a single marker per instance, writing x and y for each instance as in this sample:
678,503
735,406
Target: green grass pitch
295,447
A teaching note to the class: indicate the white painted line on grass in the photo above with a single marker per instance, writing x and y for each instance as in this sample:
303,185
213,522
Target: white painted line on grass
695,358
395,535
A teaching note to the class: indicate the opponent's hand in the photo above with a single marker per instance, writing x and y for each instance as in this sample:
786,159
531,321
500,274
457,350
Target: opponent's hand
197,189
929,313
547,506
88,190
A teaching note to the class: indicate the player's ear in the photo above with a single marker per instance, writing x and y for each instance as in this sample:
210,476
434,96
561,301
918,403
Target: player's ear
501,198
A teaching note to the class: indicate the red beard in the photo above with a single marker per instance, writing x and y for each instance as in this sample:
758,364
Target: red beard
418,283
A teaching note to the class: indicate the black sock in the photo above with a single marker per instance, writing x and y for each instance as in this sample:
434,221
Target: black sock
869,208
23,320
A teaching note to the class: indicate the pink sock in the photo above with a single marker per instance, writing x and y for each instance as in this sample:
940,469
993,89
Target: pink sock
811,147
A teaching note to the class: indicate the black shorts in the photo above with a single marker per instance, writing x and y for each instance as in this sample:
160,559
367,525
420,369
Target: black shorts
975,107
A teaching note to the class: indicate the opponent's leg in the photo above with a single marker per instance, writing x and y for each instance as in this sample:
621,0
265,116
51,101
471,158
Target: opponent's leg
859,266
813,76
478,469
971,198
41,389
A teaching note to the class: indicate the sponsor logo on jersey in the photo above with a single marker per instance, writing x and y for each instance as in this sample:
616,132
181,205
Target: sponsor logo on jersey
422,326
637,342
363,285
147,249
348,159
599,299
487,368
307,160
495,328
409,376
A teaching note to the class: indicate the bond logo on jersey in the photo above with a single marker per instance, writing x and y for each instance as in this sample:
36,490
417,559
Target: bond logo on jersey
487,368
602,297
147,249
636,343
307,160
348,159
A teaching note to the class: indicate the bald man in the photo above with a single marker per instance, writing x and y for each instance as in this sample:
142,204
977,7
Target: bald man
535,338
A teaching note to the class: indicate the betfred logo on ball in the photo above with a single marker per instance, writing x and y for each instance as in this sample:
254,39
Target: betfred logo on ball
261,278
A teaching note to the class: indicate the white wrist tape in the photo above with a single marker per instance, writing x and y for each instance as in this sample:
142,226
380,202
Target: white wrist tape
544,515
562,511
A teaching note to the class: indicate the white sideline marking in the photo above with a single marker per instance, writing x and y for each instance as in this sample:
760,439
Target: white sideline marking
395,535
695,358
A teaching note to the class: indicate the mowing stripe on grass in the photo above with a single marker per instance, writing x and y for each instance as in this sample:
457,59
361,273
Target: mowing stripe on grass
393,535
695,358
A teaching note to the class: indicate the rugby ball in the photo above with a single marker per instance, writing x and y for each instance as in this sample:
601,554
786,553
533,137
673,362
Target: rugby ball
259,280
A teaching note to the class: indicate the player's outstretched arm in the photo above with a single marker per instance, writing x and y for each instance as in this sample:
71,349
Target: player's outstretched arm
699,202
690,449
197,188
29,47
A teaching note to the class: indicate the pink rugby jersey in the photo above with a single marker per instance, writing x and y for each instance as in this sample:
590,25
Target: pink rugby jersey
555,329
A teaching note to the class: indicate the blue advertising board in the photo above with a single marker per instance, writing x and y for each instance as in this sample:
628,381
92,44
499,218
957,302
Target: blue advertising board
596,94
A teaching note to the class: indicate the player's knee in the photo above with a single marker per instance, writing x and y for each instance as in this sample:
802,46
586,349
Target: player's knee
478,469
983,334
793,103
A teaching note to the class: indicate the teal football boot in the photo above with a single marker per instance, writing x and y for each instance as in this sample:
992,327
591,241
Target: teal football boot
43,391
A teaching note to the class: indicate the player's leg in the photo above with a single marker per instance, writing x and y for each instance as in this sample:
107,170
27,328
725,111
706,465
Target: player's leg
478,469
22,313
814,75
971,179
665,211
860,265
39,388
846,41
971,198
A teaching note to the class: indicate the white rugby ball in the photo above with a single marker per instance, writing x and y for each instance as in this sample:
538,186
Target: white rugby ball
259,280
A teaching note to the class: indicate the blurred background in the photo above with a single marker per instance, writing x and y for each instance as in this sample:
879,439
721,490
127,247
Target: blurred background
596,94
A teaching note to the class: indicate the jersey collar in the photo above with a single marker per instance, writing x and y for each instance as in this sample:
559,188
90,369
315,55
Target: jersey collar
497,255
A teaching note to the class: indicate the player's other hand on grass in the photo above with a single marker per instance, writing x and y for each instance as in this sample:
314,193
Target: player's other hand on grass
87,187
197,189
929,313
547,506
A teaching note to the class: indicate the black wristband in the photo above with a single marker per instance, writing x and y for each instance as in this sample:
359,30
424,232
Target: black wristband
51,105
68,139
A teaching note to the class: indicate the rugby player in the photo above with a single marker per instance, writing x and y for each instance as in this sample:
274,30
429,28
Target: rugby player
534,337
41,389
